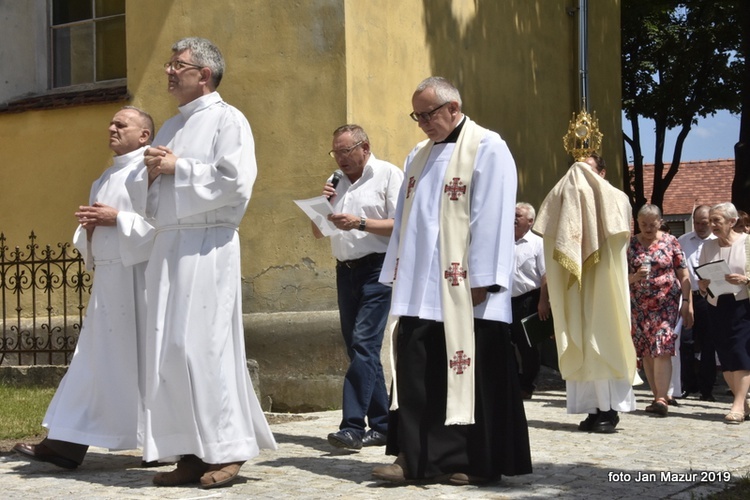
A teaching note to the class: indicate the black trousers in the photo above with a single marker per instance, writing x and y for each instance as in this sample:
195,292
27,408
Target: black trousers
523,306
496,444
705,343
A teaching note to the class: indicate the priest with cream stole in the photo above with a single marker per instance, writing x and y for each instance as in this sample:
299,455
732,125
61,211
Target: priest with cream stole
585,223
456,411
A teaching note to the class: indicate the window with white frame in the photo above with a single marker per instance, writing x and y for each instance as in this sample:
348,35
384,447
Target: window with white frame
87,42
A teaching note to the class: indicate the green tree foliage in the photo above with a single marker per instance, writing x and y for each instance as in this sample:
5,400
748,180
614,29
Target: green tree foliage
681,60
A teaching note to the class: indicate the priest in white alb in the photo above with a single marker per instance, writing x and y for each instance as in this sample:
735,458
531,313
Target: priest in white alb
456,415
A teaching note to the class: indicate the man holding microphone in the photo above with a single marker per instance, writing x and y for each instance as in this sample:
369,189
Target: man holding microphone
364,202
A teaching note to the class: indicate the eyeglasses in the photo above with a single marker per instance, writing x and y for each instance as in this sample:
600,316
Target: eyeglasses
178,65
425,117
344,152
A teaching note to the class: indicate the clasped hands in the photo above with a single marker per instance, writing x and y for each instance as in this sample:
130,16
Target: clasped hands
159,160
98,214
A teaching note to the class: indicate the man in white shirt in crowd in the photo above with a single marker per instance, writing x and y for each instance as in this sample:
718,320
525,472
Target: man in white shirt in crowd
697,339
364,202
529,294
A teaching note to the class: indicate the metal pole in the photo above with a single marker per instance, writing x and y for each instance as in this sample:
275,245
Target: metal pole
583,60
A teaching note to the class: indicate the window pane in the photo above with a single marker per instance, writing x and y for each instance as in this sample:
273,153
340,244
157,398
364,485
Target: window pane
111,60
72,50
109,7
67,11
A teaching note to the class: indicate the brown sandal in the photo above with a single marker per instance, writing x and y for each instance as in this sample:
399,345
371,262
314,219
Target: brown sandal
220,474
660,407
189,470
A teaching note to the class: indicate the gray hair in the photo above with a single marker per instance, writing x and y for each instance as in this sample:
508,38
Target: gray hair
204,53
358,133
148,122
649,209
530,212
728,210
444,90
701,208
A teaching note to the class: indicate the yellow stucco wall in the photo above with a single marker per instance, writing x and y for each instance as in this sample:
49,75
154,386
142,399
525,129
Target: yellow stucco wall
300,69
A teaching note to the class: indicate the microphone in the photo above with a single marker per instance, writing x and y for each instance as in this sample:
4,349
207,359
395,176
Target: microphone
337,175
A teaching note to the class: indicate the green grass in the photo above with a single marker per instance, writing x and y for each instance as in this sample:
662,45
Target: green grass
22,410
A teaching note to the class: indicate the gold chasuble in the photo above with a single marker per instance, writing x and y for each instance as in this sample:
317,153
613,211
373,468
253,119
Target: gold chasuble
585,223
454,238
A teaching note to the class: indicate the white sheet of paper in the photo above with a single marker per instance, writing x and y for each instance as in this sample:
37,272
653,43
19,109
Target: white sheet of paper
715,271
318,209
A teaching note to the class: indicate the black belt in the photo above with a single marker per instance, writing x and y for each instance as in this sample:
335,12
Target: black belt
523,296
373,258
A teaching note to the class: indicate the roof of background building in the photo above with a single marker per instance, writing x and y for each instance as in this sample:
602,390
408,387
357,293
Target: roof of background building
706,182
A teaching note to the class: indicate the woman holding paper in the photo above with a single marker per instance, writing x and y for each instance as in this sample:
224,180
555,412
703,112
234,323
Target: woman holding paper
730,311
658,277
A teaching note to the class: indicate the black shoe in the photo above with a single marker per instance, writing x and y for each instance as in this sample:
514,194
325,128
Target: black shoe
672,402
588,424
43,454
708,397
374,438
606,423
345,438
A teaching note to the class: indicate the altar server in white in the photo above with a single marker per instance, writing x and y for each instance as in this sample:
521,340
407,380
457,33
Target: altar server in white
98,401
200,404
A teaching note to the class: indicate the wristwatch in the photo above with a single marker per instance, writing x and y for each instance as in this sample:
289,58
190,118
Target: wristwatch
362,223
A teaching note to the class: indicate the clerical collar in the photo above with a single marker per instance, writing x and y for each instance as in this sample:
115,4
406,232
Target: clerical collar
453,136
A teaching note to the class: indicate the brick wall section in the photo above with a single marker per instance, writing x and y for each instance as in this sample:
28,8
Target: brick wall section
705,182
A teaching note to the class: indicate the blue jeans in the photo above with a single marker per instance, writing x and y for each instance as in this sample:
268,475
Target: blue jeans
363,310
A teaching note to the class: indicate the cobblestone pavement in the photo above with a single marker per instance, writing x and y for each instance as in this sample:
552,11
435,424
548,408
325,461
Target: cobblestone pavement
693,443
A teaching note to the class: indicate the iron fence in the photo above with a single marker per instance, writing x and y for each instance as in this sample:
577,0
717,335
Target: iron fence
44,295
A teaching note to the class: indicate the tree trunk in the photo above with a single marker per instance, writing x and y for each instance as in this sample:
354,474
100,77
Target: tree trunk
741,183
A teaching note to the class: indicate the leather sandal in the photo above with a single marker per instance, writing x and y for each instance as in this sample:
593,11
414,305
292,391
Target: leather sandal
189,470
220,474
734,418
660,407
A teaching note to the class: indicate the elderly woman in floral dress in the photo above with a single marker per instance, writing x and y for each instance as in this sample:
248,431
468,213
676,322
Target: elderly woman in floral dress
658,277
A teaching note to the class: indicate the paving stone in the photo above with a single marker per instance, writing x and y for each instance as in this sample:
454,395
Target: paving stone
568,464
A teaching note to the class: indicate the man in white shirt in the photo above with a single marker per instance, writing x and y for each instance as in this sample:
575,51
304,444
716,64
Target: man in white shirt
529,294
364,201
456,413
698,338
